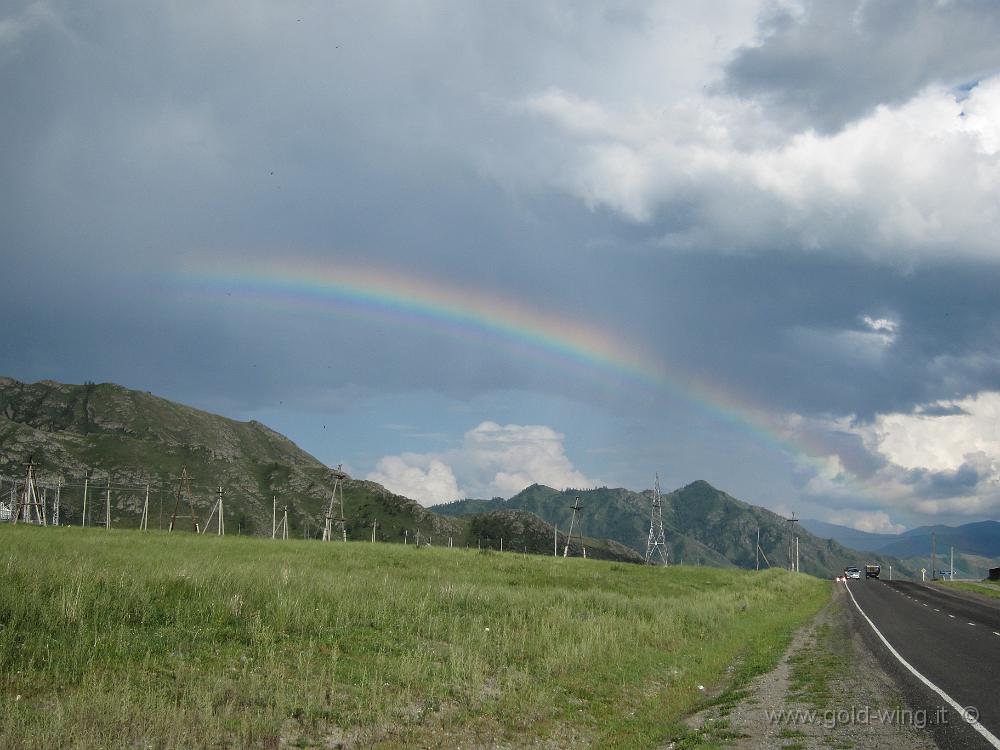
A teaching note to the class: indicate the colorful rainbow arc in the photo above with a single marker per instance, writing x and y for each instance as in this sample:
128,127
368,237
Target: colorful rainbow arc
448,310
476,314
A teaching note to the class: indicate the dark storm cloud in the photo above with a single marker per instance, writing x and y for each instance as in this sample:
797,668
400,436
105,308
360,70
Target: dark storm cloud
962,481
789,329
825,64
148,138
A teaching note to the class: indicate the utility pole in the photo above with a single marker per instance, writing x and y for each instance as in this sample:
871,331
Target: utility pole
572,522
555,541
757,550
107,505
221,523
656,542
951,567
933,556
794,563
144,518
374,524
86,482
274,515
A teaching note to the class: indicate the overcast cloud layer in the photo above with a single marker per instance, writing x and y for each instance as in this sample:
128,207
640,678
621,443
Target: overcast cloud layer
792,204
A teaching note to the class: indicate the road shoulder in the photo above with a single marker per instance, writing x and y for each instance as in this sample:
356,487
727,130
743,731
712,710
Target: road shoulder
828,691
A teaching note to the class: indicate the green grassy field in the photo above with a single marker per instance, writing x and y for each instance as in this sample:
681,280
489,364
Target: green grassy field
123,639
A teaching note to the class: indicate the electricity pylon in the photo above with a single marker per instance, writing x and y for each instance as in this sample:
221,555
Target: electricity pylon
338,483
657,541
28,505
183,489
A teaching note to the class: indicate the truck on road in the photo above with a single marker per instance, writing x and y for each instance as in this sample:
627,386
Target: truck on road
872,570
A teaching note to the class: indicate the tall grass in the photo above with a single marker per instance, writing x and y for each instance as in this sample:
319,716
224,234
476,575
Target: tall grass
123,639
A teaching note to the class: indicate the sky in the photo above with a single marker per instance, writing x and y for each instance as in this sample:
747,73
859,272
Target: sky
460,248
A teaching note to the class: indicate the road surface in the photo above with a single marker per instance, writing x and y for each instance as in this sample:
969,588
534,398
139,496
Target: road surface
951,639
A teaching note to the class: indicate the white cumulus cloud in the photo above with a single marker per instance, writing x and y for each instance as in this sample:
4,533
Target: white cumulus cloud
875,522
426,480
904,183
940,459
493,460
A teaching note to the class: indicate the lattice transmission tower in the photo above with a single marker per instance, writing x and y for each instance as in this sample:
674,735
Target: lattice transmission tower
183,491
28,507
338,484
657,541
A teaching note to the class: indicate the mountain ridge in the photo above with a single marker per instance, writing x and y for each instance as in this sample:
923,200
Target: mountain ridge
704,525
130,438
113,436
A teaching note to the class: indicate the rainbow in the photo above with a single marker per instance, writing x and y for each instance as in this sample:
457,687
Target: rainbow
475,314
472,314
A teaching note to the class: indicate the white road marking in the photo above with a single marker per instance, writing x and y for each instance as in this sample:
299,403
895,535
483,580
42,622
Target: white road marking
952,616
986,733
972,624
995,633
936,609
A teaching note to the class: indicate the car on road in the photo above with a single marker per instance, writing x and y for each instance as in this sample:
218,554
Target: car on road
852,573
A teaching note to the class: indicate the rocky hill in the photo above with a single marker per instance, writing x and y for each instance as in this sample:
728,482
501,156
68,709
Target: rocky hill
704,526
101,435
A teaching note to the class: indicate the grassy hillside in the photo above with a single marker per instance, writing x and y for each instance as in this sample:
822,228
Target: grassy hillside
520,531
123,639
132,439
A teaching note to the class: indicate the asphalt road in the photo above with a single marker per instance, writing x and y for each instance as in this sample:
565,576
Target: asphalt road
952,639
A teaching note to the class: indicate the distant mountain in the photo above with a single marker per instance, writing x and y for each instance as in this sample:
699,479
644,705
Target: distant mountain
981,538
618,514
134,438
975,540
863,540
704,526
